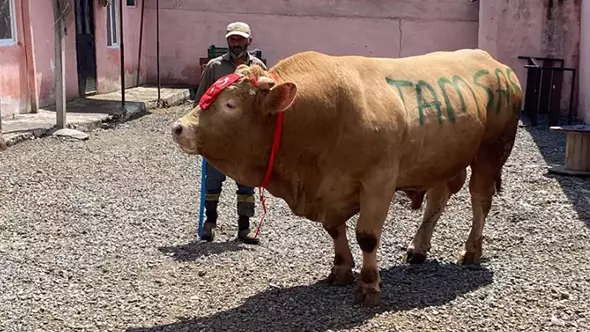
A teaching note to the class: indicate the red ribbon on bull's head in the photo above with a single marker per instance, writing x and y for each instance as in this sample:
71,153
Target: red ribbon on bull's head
215,89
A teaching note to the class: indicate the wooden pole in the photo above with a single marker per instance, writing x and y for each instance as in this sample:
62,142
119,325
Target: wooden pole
60,65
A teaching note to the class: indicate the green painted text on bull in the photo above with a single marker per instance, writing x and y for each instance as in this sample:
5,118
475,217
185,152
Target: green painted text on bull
459,84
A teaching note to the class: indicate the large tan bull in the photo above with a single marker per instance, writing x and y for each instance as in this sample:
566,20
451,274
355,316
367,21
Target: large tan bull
356,130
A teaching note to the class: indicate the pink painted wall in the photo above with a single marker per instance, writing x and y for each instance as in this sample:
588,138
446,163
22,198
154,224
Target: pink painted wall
108,58
376,28
584,81
549,28
33,56
13,73
41,14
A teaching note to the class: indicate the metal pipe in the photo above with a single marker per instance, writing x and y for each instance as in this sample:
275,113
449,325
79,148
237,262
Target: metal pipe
122,53
569,115
140,42
158,46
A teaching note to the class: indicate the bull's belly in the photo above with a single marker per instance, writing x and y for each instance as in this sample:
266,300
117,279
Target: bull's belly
332,202
436,160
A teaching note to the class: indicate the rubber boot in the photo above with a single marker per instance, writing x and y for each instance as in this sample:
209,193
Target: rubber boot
245,211
210,221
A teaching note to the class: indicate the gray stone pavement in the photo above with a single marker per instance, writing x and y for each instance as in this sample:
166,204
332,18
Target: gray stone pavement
91,112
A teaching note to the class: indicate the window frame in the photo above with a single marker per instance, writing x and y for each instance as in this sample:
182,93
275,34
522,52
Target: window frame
113,10
134,5
13,31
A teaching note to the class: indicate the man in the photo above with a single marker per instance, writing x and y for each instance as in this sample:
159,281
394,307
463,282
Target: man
238,38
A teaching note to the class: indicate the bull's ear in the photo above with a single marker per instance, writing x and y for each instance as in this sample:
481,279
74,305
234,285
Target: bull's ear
280,98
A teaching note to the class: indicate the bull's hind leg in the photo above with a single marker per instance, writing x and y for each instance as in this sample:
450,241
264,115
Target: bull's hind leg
481,187
341,273
486,172
436,201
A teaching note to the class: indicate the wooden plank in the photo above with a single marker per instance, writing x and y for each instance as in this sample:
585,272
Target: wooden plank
583,128
577,154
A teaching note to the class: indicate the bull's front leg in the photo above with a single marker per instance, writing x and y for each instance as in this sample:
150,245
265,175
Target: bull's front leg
375,201
341,273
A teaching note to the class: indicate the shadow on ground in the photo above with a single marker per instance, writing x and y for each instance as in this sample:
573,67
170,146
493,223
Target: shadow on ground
320,307
552,146
199,249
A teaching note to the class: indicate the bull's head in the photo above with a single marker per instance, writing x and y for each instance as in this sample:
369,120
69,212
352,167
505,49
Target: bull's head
233,124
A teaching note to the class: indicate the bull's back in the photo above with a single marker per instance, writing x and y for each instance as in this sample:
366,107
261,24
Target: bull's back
453,102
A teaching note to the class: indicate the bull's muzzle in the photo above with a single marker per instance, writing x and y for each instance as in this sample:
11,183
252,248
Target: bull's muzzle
176,130
184,136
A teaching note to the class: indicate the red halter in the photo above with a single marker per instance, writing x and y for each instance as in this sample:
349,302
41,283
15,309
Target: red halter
276,140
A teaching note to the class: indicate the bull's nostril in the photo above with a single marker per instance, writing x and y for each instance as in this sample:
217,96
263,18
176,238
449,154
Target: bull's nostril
177,129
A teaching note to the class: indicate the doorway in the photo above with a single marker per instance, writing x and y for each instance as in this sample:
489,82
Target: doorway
85,47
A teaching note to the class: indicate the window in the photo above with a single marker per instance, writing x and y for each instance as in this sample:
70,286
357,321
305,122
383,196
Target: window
131,3
112,23
7,23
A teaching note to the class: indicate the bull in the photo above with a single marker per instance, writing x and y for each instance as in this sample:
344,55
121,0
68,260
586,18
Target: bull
334,136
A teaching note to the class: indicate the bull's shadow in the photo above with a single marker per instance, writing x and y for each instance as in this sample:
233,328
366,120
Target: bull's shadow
320,307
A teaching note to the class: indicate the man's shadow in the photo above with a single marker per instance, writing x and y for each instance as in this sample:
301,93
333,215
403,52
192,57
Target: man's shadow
319,307
199,249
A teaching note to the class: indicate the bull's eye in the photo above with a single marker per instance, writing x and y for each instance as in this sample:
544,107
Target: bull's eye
230,105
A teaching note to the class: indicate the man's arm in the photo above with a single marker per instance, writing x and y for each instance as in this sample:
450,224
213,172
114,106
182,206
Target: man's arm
260,63
205,83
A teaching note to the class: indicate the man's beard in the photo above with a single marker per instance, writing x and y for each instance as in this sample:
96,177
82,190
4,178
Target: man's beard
237,51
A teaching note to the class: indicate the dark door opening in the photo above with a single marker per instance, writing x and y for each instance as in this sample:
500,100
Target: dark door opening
85,50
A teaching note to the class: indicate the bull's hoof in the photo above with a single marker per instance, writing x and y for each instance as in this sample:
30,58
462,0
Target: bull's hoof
468,258
367,295
412,257
339,276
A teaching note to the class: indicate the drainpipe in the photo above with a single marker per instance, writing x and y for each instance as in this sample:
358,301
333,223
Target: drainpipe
158,46
122,54
140,42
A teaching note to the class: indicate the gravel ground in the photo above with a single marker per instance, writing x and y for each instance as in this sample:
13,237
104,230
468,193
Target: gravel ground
100,236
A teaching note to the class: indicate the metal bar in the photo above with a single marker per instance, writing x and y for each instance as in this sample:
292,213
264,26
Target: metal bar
158,46
140,42
203,193
122,54
569,115
539,87
523,57
552,68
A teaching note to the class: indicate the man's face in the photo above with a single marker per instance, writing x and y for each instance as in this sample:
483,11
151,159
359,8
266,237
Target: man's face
238,45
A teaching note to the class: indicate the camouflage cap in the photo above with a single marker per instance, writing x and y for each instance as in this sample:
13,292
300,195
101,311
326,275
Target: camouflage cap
239,29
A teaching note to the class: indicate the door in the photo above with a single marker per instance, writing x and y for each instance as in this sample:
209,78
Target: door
85,50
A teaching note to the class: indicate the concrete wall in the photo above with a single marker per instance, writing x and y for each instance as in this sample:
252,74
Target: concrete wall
27,69
43,46
13,72
108,59
584,78
548,28
280,28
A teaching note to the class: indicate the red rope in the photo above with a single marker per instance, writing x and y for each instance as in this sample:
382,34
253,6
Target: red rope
276,140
